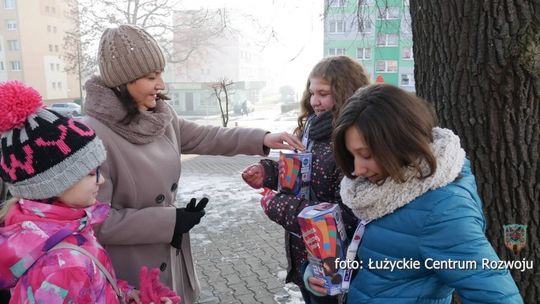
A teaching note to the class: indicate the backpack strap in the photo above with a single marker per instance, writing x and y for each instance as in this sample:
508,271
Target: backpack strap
64,245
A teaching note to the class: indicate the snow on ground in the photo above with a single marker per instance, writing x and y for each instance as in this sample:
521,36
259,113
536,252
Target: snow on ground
266,116
295,296
228,195
230,198
233,204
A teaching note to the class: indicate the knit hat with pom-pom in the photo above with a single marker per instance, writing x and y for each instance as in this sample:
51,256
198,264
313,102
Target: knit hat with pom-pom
42,153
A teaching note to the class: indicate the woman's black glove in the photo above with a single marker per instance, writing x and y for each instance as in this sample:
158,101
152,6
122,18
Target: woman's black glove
187,218
321,127
191,207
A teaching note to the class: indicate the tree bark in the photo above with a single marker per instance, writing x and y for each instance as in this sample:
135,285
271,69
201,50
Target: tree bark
479,63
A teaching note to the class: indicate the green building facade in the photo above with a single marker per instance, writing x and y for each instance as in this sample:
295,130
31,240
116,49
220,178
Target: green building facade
377,33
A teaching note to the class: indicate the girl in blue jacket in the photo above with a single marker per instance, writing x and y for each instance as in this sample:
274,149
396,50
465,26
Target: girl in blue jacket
411,186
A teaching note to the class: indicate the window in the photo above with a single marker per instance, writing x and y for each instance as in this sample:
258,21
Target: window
9,4
208,101
337,26
54,85
363,53
15,65
336,51
11,25
407,80
56,48
13,45
0,46
59,85
58,67
406,30
52,66
53,10
50,48
48,28
1,65
46,9
176,100
365,26
386,66
337,3
54,29
407,53
387,40
389,12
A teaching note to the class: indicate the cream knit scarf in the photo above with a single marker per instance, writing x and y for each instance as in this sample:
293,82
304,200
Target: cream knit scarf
370,201
102,104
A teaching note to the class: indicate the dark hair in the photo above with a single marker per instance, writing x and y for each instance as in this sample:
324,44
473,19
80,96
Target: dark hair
344,75
396,126
129,103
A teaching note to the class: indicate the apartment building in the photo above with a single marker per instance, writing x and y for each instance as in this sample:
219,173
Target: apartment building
377,33
227,55
31,47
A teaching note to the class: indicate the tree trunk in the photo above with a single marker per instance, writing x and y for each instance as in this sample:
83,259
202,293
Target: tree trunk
478,61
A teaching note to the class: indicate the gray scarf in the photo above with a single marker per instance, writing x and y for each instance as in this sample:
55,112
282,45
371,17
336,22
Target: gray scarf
102,104
370,201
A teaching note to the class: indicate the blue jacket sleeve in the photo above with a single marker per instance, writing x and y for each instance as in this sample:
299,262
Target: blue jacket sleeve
454,232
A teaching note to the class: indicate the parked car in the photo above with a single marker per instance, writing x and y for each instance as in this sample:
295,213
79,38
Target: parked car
290,106
68,109
244,107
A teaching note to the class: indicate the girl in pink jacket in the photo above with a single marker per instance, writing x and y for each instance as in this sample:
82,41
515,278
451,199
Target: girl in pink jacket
49,252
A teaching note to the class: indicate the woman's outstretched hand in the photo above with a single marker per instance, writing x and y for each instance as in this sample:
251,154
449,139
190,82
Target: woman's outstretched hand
283,140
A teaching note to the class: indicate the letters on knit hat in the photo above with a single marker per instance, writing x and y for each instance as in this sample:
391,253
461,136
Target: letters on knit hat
42,153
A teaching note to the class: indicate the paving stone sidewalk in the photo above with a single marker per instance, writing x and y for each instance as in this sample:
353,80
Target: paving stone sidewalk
239,252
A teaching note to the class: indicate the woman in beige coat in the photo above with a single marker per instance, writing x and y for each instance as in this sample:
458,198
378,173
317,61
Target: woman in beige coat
144,139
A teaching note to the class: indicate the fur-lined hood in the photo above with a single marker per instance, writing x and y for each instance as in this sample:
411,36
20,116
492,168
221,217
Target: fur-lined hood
371,201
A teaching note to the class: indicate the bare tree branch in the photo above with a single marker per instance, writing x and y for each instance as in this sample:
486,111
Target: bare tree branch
222,93
92,17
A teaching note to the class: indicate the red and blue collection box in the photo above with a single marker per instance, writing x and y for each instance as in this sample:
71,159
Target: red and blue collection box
325,238
295,174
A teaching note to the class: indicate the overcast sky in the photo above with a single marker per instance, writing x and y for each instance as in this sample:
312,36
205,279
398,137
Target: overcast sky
297,44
